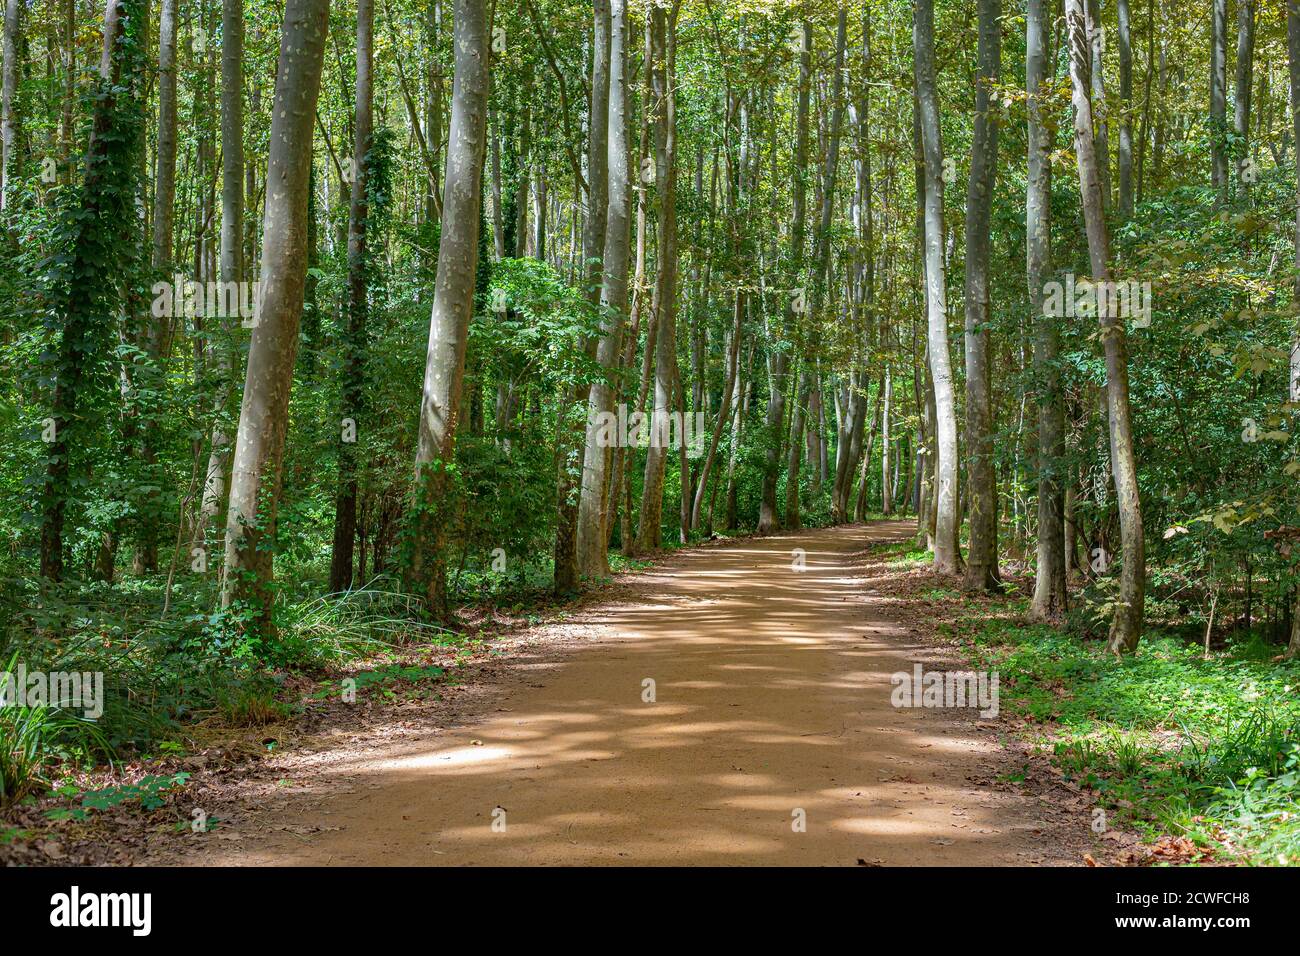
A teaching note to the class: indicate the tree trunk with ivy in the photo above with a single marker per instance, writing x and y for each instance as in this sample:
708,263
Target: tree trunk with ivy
87,285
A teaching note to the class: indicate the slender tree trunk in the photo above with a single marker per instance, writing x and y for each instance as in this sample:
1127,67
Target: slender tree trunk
1126,104
1158,138
355,343
572,456
1145,130
779,363
539,215
864,280
11,43
982,555
453,303
593,509
163,229
232,250
1049,602
886,485
165,171
662,28
821,264
724,407
1293,50
1293,58
498,214
69,10
1219,95
1245,71
1097,46
263,418
91,288
523,175
947,557
1126,626
433,124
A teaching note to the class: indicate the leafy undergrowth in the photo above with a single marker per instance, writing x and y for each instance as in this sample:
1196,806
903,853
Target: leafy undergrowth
178,695
1177,745
185,702
86,812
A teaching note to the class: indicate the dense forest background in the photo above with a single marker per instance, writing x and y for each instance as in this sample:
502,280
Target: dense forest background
310,313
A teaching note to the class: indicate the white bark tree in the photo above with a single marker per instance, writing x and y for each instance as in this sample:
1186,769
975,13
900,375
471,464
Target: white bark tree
263,416
453,303
947,556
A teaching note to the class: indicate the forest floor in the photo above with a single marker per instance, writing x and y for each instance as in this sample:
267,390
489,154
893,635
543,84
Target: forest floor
771,696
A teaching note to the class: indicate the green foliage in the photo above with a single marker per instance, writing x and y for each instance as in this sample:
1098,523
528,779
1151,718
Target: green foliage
150,792
1180,743
383,680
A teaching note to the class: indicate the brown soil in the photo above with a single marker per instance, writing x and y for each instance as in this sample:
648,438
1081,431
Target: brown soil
772,696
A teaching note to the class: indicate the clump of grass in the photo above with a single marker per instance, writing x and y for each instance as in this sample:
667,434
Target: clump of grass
31,738
357,623
1262,809
903,555
25,739
252,704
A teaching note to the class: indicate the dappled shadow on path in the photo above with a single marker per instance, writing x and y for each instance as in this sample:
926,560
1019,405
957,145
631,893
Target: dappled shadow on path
771,708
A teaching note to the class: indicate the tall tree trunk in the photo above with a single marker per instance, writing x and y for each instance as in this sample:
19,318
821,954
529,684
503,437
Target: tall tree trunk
1219,96
8,95
886,486
498,214
433,123
232,250
593,508
90,285
1126,104
523,176
662,29
856,403
263,416
355,339
821,266
1049,602
163,228
982,555
947,557
1245,71
571,455
539,215
453,303
724,406
1145,130
1293,51
1097,46
1126,625
69,10
779,362
164,212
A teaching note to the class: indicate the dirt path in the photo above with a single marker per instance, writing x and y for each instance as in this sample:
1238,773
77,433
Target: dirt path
772,692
